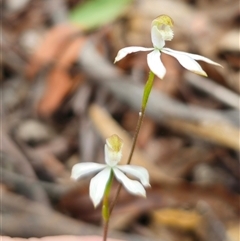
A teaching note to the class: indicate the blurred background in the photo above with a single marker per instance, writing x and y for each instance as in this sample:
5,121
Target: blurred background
62,96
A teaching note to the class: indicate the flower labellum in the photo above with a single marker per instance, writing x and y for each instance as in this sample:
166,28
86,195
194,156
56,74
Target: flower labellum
160,32
113,155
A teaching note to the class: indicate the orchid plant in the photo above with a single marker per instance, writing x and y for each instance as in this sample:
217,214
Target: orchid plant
113,155
160,32
100,185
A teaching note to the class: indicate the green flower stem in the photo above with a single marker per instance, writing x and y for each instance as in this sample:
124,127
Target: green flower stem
146,93
105,207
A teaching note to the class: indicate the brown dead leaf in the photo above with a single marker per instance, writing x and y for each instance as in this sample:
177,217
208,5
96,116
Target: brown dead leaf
61,47
59,85
46,52
178,218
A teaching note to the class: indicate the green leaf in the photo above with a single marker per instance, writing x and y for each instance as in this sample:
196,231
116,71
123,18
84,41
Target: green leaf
96,13
147,89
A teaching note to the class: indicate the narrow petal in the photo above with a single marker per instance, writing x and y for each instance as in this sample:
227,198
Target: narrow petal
128,50
132,186
155,63
138,172
157,38
83,169
195,56
98,185
186,61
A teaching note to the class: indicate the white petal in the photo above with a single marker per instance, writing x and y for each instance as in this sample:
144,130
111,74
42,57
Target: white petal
138,172
155,63
157,38
128,50
98,185
195,56
186,61
132,186
83,169
112,158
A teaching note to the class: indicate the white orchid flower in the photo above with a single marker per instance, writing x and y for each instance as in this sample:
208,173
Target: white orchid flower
160,32
113,154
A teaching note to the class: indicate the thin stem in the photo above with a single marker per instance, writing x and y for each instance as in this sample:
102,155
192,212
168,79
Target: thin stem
115,199
105,230
146,93
138,127
105,207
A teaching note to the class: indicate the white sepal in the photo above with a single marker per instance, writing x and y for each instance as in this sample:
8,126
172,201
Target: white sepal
186,61
132,186
138,172
128,50
155,64
98,185
196,57
83,169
